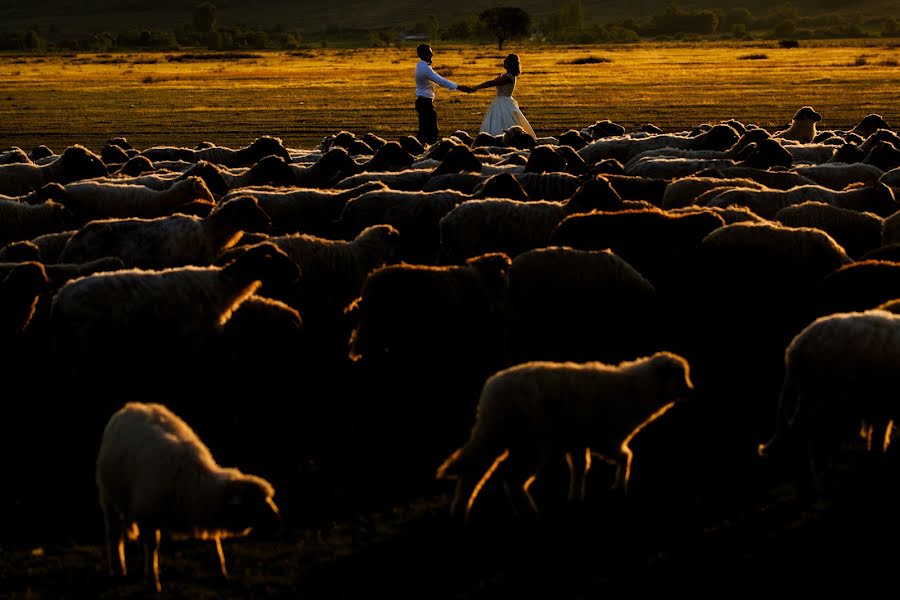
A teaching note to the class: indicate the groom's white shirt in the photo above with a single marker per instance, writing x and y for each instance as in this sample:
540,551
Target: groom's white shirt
426,78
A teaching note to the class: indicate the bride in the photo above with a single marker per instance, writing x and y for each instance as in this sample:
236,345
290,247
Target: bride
504,111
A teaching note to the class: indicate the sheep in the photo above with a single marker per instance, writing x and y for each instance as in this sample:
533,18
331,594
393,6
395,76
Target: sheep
778,180
838,373
878,199
837,176
212,175
13,155
90,200
857,286
165,242
858,232
684,190
260,147
334,272
75,163
408,180
731,214
654,242
304,210
412,314
531,413
884,155
50,245
20,221
869,125
20,290
564,303
155,475
727,303
501,185
549,186
128,314
803,126
513,226
465,182
332,167
624,148
633,187
416,215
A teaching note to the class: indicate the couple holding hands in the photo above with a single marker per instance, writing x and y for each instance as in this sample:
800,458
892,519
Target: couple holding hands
501,114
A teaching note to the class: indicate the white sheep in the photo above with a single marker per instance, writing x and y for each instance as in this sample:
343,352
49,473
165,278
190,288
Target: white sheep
127,314
94,200
837,176
165,242
21,221
155,475
683,191
75,163
877,198
303,210
803,126
534,412
840,371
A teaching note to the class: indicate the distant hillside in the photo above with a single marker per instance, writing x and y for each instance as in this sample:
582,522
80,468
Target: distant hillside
89,16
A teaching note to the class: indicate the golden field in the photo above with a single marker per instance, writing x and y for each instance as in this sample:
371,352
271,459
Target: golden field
183,98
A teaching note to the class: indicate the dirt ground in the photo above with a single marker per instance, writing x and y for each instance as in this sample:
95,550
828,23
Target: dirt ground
408,547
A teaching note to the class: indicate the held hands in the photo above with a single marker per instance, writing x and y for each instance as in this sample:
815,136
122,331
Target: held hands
465,88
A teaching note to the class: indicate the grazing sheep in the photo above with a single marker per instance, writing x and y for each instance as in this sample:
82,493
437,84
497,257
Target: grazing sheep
20,221
777,180
534,412
839,371
858,232
634,187
133,317
304,210
91,200
877,198
570,304
654,242
857,286
334,272
624,148
685,190
549,186
51,245
803,126
257,150
416,314
869,125
155,475
13,155
732,214
416,215
165,242
501,185
74,164
837,176
20,290
514,226
408,180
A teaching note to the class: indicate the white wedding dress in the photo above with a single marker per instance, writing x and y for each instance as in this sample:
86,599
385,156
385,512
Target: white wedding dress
504,112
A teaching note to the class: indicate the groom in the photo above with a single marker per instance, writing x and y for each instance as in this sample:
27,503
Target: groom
425,80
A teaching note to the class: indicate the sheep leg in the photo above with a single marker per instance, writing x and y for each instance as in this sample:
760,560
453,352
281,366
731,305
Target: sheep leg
150,537
623,469
579,466
221,556
519,474
114,531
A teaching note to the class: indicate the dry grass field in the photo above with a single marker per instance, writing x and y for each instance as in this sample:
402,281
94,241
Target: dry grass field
183,98
363,514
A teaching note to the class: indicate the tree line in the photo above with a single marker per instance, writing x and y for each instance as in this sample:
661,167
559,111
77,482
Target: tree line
567,24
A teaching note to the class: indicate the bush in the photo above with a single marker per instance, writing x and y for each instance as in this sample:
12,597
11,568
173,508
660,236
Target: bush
789,43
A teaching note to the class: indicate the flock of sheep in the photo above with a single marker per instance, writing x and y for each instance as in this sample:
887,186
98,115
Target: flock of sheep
673,303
